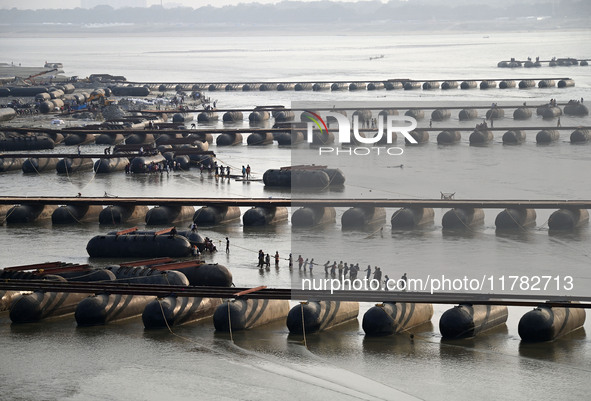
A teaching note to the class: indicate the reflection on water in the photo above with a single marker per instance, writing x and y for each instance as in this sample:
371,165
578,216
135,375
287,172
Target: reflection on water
566,349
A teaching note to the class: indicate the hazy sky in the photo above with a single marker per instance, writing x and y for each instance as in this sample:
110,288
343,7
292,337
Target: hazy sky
36,4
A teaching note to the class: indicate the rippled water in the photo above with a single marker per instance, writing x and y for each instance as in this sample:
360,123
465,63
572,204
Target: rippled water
56,360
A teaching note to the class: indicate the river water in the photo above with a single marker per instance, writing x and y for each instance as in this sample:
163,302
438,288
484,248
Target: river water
56,360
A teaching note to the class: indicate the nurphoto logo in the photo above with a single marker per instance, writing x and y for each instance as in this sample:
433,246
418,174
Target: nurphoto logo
350,132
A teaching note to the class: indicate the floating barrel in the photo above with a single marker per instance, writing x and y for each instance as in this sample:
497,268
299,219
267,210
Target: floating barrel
506,84
313,216
214,215
233,87
462,218
468,84
421,136
72,165
488,84
503,64
259,116
201,136
408,85
250,87
339,86
260,139
583,63
207,274
233,116
267,87
335,176
546,83
56,94
321,138
449,85
362,217
375,85
417,114
296,178
72,214
289,138
354,86
4,92
314,316
468,114
39,164
216,87
481,137
580,135
546,324
363,115
180,118
548,111
106,166
130,91
207,117
304,86
3,210
11,164
173,311
242,314
169,214
42,97
515,218
46,107
410,217
27,142
440,115
138,246
466,321
141,164
40,304
285,87
29,213
283,115
391,85
522,113
514,137
527,83
192,235
109,139
394,317
547,136
139,138
78,138
7,114
495,113
388,112
568,219
58,104
104,308
320,86
229,139
566,83
431,85
576,109
26,91
262,216
119,214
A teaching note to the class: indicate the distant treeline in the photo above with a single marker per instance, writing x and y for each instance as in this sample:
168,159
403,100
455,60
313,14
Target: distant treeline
294,12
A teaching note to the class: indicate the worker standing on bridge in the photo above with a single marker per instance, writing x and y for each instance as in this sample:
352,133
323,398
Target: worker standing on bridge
405,280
